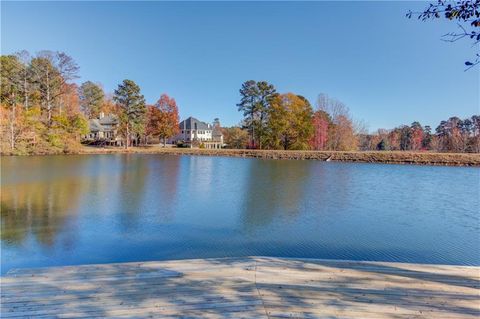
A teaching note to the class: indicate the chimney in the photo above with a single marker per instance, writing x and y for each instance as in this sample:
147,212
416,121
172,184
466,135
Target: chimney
102,115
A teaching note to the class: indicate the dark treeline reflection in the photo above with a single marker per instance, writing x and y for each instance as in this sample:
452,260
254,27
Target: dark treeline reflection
163,179
131,189
275,188
146,187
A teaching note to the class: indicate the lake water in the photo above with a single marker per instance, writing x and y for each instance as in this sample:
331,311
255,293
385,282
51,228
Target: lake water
63,210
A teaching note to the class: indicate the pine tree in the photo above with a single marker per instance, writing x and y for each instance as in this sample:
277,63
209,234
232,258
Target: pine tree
133,109
91,98
255,104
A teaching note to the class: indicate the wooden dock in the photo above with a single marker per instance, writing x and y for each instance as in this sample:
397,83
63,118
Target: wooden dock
250,287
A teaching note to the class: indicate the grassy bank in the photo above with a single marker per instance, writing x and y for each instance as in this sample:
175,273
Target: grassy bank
418,158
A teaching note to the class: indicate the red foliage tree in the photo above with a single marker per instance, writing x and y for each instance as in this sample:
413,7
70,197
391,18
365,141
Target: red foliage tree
416,136
321,124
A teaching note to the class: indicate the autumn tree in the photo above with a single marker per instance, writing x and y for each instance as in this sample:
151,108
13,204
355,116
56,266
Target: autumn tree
109,106
10,91
342,135
163,118
51,72
405,137
451,135
321,126
466,129
371,142
235,137
153,119
132,105
416,136
169,110
394,140
256,99
290,122
49,120
474,144
91,99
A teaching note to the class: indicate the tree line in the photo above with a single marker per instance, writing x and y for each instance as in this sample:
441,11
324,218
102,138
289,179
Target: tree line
288,121
452,135
44,111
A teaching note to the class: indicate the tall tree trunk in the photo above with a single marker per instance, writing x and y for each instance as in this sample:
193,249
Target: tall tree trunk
12,124
253,131
25,96
49,104
127,139
60,106
164,142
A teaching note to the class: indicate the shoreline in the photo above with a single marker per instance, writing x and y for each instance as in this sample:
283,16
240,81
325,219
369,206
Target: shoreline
385,157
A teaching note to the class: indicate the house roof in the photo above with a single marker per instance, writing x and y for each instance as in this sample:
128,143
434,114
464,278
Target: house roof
103,124
109,120
95,126
193,124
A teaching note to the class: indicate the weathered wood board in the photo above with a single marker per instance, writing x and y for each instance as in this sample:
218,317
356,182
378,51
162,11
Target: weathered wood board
249,287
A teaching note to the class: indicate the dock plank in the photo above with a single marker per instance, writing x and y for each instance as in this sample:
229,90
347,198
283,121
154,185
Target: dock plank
250,287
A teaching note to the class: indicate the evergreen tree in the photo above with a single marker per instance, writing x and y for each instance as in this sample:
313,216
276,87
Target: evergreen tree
256,99
383,145
133,109
91,99
427,137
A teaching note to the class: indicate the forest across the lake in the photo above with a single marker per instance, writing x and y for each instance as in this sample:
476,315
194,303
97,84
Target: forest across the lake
45,111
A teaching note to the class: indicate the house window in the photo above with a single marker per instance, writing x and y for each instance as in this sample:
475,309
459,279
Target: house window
183,131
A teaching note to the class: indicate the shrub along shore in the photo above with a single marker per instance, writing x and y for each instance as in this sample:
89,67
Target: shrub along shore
387,157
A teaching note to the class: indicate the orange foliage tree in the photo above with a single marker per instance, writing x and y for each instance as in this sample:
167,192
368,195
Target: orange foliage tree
163,118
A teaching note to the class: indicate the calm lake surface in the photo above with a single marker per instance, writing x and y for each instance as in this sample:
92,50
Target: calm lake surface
63,210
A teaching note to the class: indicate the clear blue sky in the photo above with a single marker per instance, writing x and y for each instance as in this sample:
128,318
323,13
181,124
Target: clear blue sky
388,69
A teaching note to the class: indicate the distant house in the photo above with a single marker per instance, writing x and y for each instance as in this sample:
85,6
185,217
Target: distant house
195,133
103,130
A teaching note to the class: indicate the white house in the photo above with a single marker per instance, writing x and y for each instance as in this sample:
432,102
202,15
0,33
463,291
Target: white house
193,132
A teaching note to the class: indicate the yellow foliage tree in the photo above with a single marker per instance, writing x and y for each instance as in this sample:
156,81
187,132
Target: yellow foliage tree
290,122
